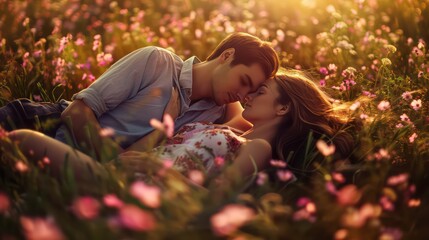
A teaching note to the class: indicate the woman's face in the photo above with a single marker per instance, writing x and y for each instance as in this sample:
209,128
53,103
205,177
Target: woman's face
262,105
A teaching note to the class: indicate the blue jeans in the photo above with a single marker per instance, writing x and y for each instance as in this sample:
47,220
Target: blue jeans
25,113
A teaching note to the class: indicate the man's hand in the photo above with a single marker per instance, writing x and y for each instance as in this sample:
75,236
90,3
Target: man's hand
84,127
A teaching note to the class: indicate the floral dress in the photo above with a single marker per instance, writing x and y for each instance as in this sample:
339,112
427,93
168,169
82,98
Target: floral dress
196,146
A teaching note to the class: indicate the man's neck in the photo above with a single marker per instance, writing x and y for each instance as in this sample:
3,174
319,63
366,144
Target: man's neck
201,80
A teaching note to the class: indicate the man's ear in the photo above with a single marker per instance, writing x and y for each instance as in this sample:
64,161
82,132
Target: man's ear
283,109
227,54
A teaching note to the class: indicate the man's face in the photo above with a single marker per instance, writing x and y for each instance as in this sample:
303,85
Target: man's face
231,84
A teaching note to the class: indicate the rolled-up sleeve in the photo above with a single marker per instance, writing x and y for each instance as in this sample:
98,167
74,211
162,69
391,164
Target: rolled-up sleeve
126,78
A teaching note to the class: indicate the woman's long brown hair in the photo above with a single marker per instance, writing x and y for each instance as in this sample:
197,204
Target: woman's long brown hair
311,115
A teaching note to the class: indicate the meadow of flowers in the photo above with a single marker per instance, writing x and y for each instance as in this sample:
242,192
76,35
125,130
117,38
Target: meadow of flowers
370,53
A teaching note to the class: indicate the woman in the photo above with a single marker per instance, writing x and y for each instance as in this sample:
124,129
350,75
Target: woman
285,111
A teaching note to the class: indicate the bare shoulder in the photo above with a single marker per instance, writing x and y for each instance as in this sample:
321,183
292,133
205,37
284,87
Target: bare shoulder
258,145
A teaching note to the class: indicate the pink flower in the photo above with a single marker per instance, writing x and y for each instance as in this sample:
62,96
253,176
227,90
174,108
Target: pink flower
414,203
86,207
407,95
196,177
219,161
46,160
324,148
135,218
404,117
148,195
357,218
21,166
79,41
323,71
413,137
383,105
4,203
285,175
111,200
322,82
338,177
363,116
278,163
330,187
230,218
386,204
262,178
40,228
167,126
397,179
416,104
348,195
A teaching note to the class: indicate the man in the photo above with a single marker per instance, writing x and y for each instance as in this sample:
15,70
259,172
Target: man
140,85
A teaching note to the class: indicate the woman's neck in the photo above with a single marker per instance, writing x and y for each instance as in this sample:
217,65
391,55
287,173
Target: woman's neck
266,131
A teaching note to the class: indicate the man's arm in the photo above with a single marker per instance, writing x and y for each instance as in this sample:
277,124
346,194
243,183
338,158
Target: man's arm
84,126
233,117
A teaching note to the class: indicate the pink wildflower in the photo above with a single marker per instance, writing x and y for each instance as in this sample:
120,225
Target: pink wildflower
196,177
111,200
386,204
413,137
383,105
230,218
324,148
338,177
414,202
348,195
135,218
404,117
148,195
167,126
4,203
219,161
407,95
40,228
21,166
416,104
397,179
363,116
278,163
330,187
86,207
285,175
323,71
262,178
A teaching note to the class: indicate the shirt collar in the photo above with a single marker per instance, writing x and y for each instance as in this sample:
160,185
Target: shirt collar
185,78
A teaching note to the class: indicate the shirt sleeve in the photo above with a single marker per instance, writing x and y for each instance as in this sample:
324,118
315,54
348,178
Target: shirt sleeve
129,75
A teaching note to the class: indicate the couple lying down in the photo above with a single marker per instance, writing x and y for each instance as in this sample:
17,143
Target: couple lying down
284,111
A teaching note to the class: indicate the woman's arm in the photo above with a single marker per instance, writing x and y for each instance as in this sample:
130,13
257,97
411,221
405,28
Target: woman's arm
36,146
252,158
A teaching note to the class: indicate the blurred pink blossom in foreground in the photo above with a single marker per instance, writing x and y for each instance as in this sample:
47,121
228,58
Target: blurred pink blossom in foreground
4,203
148,195
135,218
86,207
324,148
40,228
230,218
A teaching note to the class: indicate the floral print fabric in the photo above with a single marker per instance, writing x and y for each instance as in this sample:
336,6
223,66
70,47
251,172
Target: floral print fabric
196,145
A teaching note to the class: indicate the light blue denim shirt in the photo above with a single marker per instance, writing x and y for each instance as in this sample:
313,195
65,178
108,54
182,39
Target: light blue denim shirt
137,88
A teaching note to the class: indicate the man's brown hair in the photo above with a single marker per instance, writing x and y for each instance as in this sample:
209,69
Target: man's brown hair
249,50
